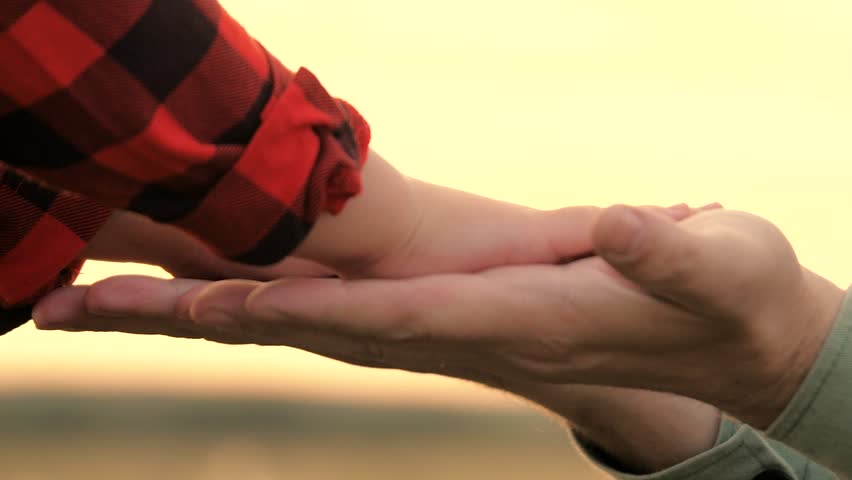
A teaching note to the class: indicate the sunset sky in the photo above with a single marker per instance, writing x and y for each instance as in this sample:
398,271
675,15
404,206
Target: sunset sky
547,103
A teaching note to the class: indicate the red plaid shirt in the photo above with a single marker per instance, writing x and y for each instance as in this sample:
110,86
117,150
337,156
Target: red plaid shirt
163,107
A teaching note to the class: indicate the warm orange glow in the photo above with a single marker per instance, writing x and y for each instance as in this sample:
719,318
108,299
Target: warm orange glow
542,102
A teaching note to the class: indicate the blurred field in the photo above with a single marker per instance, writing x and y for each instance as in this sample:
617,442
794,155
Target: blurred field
134,437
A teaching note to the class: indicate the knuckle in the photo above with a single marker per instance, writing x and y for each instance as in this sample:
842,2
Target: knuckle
672,265
405,331
553,361
97,297
101,296
413,314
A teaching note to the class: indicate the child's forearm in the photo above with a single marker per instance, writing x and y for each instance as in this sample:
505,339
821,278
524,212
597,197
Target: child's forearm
379,220
402,227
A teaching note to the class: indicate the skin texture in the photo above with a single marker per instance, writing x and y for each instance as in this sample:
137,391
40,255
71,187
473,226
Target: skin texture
130,237
715,310
401,227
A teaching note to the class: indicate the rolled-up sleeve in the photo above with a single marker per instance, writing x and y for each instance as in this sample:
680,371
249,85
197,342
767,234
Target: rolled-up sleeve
818,421
169,108
42,232
740,453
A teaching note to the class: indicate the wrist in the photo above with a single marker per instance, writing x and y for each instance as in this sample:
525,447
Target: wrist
378,221
814,309
639,431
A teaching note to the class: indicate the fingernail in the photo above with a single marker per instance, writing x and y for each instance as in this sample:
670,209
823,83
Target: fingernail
680,207
712,206
38,317
50,320
626,233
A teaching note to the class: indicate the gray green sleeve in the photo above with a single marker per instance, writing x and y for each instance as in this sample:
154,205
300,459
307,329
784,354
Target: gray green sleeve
817,422
741,453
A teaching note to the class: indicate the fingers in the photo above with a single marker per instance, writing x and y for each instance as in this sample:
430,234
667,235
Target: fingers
299,267
665,258
451,307
61,308
675,212
142,296
567,231
682,211
131,304
218,309
549,323
220,269
130,237
219,312
142,305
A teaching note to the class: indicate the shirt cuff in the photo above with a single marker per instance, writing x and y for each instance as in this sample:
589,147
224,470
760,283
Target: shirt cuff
304,160
818,421
42,233
21,312
740,453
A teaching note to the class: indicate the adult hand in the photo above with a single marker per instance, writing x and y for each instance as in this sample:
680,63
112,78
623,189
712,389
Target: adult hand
645,431
716,308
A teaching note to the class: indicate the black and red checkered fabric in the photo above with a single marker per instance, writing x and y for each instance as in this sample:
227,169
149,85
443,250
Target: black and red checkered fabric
163,107
41,234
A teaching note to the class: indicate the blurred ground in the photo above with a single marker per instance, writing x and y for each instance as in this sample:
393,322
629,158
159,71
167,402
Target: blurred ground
132,437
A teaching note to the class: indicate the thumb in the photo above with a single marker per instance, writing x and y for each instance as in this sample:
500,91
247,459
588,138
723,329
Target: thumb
665,259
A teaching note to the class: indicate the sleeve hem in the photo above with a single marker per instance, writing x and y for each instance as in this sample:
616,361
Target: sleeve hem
745,454
14,315
817,421
304,160
48,230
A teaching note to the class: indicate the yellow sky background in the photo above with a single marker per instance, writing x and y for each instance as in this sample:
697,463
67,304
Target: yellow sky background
545,103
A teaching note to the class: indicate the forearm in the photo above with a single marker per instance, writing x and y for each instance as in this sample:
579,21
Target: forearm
404,227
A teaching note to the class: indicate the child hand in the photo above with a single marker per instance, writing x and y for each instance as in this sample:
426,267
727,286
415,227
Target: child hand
402,227
130,237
